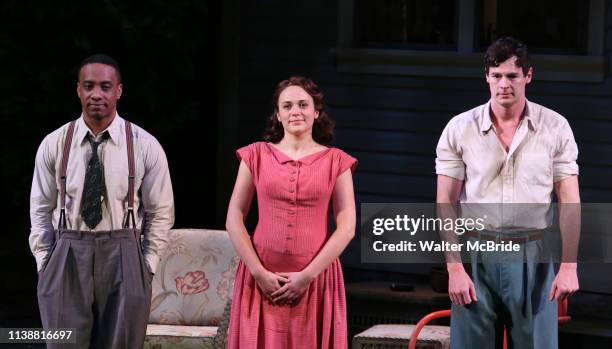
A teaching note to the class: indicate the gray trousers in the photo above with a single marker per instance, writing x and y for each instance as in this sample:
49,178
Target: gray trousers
98,284
512,294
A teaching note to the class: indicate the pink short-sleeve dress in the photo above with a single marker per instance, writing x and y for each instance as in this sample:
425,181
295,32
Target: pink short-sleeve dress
294,199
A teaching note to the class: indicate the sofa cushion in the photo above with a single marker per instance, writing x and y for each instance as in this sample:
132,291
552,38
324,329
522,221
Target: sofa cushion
181,331
175,337
194,279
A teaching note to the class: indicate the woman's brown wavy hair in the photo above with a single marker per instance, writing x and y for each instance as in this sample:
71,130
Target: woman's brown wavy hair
323,127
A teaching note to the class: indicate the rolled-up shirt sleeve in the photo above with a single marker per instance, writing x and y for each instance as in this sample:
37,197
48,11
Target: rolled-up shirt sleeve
158,202
448,154
43,200
566,155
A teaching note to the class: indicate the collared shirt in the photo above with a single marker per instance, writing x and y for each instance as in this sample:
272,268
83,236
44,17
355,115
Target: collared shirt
543,151
153,199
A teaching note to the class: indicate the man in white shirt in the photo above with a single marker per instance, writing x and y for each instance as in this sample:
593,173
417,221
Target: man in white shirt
509,152
98,183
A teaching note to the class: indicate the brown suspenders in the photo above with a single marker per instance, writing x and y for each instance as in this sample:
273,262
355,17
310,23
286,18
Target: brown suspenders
65,155
131,165
130,150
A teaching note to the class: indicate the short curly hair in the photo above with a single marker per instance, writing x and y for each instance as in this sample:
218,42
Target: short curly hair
504,48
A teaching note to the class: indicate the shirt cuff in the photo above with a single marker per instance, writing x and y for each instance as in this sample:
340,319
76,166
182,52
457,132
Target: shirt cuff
561,172
454,169
151,261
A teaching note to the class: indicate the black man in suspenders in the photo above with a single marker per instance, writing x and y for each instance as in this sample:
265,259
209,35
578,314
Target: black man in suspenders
101,206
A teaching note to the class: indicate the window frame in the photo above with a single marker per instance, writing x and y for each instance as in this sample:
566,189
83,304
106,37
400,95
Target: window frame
465,62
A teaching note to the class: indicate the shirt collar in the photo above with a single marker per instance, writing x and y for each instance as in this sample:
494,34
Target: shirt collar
485,122
529,115
114,129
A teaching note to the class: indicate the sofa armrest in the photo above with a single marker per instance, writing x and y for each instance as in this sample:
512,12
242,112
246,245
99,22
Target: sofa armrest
220,339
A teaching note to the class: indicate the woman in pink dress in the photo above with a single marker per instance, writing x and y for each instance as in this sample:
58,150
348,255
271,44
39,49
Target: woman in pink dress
289,288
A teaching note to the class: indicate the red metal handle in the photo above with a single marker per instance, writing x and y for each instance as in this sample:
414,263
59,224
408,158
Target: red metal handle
424,321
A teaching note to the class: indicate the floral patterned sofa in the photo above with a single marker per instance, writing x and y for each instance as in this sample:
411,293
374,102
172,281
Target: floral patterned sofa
192,291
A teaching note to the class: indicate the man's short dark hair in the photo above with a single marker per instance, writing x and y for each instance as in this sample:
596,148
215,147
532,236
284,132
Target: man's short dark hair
504,48
102,59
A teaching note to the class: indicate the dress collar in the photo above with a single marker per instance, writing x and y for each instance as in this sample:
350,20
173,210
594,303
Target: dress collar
282,158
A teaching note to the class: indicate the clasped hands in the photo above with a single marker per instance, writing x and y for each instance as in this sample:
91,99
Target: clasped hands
282,287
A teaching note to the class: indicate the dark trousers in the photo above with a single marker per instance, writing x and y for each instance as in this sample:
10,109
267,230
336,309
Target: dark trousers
98,284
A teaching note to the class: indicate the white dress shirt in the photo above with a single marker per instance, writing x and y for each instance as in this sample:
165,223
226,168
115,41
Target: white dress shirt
153,199
543,151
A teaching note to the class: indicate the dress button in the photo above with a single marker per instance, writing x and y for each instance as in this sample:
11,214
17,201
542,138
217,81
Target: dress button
293,163
289,238
292,179
290,225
